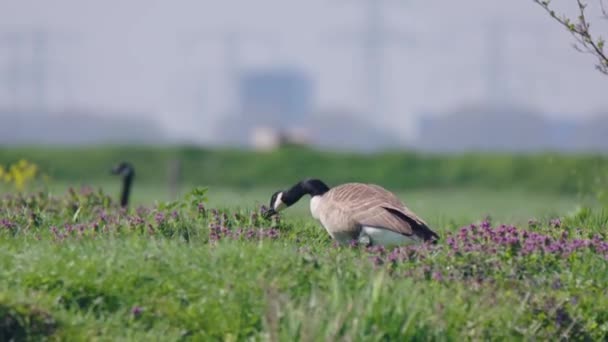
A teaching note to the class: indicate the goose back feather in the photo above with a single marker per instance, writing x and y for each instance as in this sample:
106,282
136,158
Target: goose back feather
346,208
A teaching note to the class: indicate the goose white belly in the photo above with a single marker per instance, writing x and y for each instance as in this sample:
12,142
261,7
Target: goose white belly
387,237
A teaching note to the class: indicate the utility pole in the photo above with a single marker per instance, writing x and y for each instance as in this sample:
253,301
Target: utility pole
12,72
232,43
375,38
497,87
27,70
40,69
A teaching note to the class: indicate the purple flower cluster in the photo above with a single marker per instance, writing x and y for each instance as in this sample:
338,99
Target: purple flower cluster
136,311
533,223
489,239
135,220
465,246
201,209
555,223
159,217
142,211
218,232
7,224
69,230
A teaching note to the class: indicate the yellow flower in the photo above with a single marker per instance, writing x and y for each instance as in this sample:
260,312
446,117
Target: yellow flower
19,174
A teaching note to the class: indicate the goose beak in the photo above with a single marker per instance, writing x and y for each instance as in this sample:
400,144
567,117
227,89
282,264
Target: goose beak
269,213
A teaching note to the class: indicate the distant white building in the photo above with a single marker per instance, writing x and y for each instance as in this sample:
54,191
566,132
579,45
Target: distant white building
264,138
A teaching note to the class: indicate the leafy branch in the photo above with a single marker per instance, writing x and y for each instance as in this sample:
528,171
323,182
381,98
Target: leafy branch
580,29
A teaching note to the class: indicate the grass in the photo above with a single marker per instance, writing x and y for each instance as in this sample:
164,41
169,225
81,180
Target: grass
75,267
446,206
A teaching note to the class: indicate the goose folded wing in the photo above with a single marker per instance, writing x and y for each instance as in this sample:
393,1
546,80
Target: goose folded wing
397,220
385,218
392,203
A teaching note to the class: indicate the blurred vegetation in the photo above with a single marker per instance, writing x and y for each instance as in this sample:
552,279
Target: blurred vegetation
552,173
19,174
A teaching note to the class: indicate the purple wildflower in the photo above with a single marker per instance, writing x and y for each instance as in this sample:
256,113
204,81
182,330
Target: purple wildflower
135,220
159,217
393,256
273,233
377,260
533,223
555,223
136,311
68,228
7,224
142,211
486,223
103,216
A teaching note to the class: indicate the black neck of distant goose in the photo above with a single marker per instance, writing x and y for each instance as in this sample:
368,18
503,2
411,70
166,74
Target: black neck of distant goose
312,187
127,181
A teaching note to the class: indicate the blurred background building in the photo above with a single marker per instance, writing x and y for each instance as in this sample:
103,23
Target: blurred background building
367,75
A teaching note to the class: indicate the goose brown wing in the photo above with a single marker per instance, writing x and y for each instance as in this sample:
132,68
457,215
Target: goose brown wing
396,203
374,206
380,217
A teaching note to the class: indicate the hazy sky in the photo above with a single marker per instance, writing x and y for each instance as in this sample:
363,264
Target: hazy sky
133,55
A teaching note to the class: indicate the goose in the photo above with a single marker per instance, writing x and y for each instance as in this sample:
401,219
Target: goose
367,213
127,172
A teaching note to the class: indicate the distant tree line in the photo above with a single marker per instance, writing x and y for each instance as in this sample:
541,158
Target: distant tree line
548,172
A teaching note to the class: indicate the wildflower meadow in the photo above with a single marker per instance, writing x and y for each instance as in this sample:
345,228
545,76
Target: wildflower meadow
74,265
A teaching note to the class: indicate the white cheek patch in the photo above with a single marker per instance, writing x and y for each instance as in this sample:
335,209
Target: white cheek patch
278,203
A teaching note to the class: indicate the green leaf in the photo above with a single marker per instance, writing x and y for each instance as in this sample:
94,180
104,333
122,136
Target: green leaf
76,214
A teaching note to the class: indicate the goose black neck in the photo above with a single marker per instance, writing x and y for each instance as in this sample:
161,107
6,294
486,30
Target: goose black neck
312,187
127,181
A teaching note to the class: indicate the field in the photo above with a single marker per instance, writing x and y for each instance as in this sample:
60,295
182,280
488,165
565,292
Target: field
512,264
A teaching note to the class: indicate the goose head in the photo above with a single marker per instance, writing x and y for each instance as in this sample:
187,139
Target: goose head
277,204
123,169
285,198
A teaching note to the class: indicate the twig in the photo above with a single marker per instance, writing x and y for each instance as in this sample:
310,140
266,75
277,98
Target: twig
581,32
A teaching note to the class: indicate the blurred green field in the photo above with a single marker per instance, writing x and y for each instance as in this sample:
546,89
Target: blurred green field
397,170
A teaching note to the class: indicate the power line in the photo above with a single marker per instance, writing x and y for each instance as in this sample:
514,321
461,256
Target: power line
28,68
232,43
374,39
497,86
